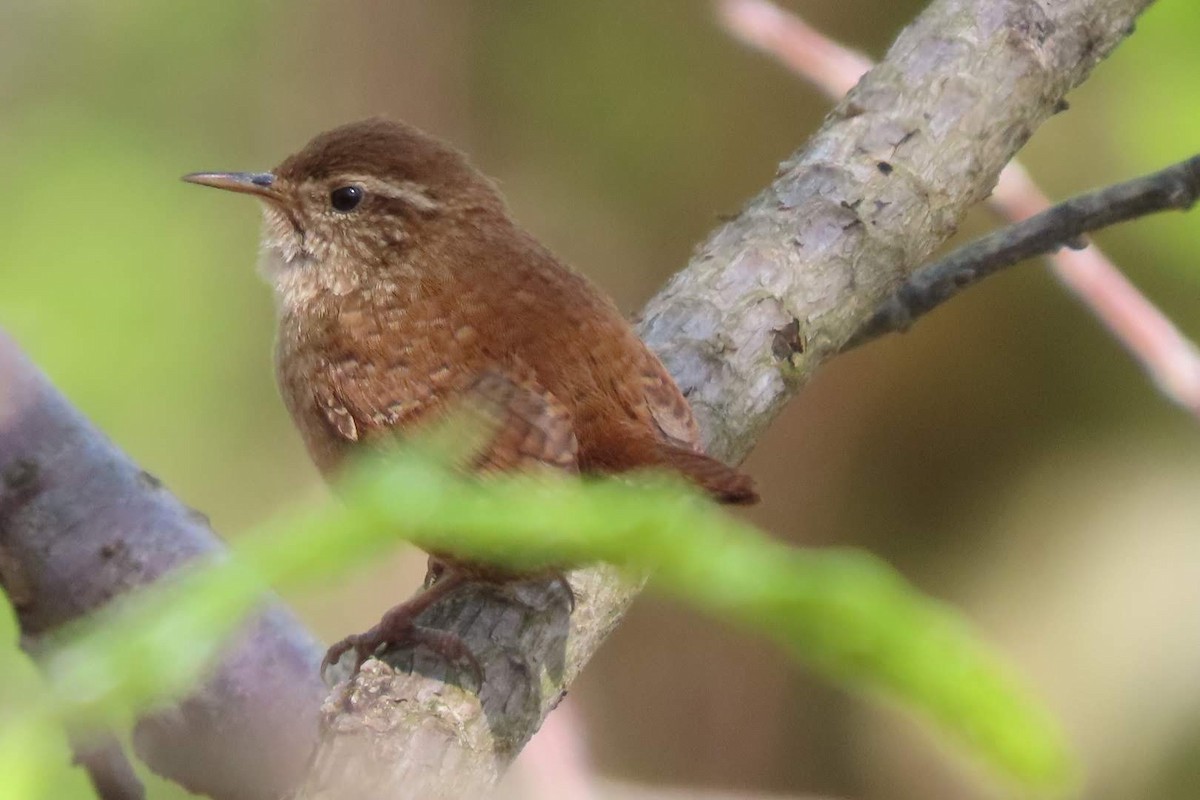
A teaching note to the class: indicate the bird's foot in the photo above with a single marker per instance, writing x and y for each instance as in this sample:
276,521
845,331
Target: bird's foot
434,571
398,627
395,631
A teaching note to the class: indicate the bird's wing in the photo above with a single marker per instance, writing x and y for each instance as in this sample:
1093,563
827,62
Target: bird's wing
668,407
528,427
679,447
532,428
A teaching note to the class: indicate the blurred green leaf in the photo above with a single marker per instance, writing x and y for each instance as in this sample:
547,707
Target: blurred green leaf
846,613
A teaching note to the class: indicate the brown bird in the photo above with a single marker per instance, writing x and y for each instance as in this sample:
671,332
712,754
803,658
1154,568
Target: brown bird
403,286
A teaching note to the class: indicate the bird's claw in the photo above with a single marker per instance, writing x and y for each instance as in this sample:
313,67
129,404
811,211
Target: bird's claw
334,654
560,578
398,632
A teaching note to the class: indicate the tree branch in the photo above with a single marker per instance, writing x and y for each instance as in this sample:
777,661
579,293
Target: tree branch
774,293
1175,188
108,769
81,524
97,752
1168,357
768,298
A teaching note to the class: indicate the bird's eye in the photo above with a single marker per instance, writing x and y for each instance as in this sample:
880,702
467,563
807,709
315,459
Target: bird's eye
345,198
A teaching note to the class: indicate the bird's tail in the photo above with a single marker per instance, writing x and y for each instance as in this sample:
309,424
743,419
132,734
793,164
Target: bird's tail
724,483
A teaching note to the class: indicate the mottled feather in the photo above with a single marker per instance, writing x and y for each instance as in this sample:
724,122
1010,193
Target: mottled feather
457,299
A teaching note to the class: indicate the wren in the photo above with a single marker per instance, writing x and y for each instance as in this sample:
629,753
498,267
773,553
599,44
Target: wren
403,287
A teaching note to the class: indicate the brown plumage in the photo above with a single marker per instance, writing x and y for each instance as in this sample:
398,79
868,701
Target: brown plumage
403,285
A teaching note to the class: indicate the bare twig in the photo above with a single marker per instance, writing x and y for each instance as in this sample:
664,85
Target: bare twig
1168,357
98,752
1174,188
110,772
830,66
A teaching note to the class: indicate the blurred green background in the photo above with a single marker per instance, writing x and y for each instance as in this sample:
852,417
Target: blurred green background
1006,454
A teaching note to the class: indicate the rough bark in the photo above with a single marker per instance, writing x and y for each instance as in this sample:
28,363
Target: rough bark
778,290
80,524
767,298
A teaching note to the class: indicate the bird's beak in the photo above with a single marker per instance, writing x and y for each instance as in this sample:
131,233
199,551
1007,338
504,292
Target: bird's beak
262,184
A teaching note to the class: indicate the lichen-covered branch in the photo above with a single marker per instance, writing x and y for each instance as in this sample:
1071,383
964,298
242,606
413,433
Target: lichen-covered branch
768,297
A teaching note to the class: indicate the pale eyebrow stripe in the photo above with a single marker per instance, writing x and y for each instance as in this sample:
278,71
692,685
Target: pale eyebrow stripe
408,192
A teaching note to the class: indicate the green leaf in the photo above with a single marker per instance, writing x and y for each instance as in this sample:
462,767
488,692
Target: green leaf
846,614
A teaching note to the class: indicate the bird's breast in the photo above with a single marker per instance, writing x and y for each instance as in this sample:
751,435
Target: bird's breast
358,367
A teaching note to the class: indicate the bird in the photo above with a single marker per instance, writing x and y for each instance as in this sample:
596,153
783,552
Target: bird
404,287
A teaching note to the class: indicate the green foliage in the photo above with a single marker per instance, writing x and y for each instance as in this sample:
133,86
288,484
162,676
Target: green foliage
848,615
1158,121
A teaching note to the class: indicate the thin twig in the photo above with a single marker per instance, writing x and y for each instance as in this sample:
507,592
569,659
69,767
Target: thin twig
99,753
1167,356
109,770
1176,187
828,65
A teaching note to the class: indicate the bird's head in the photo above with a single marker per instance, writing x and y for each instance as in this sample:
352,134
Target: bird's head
355,200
